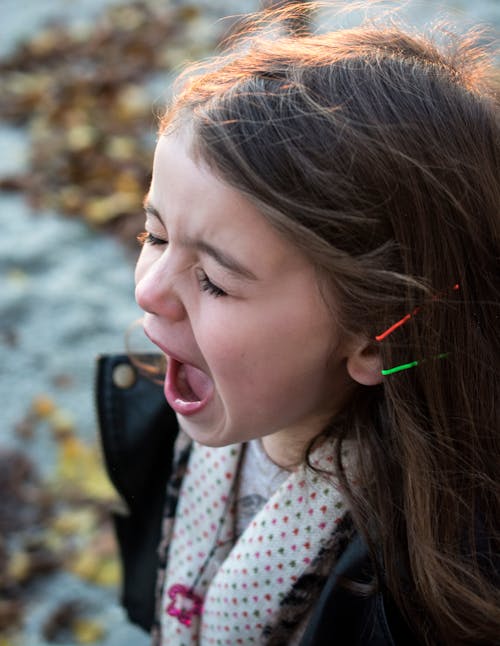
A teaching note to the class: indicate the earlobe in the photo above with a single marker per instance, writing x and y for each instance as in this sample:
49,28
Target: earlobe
364,365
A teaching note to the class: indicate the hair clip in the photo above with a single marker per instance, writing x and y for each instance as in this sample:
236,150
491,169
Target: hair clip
405,319
412,364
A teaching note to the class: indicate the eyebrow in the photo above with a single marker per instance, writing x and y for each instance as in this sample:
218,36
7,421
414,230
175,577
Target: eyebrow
221,257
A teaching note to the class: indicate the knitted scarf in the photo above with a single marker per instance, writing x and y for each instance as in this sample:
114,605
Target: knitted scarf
257,588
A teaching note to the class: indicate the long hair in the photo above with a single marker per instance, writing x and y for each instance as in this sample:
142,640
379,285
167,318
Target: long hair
377,152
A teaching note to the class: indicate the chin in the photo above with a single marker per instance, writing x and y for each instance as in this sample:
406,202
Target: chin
205,436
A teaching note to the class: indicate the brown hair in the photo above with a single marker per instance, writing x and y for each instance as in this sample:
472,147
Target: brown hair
377,153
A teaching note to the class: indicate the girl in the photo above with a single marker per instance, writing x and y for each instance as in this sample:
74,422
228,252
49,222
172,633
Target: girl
320,269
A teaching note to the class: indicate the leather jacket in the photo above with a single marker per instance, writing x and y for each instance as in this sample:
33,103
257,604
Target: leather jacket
138,430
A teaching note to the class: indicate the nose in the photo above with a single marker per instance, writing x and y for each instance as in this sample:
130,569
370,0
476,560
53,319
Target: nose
155,291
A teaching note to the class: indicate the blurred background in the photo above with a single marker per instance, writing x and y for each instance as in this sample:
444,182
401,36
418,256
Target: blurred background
81,85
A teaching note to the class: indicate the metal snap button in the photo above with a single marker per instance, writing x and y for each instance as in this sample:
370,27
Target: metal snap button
124,375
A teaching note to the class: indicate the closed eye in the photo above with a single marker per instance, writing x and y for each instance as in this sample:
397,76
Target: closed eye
206,285
148,238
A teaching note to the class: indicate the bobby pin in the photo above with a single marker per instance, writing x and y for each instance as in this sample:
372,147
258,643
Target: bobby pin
395,326
412,364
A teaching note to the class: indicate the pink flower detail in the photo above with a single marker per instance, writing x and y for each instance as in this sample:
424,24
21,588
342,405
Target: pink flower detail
180,592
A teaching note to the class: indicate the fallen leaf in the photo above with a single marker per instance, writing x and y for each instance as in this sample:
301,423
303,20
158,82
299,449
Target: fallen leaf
10,613
18,567
88,631
61,423
43,406
61,620
75,521
80,472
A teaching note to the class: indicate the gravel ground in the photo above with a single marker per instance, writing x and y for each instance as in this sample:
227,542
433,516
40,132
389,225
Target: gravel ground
67,295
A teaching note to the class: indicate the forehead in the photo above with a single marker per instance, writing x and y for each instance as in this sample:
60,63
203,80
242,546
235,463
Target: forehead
193,201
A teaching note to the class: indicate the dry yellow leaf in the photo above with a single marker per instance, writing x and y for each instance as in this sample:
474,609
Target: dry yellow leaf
132,102
172,57
87,631
101,210
98,487
85,565
43,406
18,567
61,422
55,542
45,41
80,472
81,137
126,183
91,567
77,521
108,573
121,148
71,199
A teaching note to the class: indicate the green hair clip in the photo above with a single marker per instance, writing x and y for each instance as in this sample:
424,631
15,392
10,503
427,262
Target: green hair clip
412,364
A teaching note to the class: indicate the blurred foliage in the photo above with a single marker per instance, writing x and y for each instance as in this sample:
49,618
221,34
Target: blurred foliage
83,95
57,523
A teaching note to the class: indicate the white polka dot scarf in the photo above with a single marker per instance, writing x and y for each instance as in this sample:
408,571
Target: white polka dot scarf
239,586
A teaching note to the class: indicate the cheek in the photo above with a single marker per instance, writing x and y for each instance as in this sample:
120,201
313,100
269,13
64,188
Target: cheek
258,355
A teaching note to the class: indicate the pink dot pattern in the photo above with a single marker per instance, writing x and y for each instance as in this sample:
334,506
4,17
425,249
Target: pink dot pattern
244,583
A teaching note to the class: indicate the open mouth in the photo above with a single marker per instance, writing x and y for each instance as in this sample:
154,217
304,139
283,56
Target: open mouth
187,388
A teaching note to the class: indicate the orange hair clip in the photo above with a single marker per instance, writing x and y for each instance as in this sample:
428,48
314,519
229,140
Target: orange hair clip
405,319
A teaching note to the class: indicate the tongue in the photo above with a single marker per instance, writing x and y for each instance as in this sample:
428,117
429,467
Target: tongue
194,385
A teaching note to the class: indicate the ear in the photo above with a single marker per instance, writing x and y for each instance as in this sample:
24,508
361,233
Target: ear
364,364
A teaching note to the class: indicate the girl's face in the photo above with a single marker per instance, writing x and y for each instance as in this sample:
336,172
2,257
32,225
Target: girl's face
252,347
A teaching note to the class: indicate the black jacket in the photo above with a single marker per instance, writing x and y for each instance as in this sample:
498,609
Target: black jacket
138,430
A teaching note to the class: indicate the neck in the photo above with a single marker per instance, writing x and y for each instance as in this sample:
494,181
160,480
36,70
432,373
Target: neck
287,448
